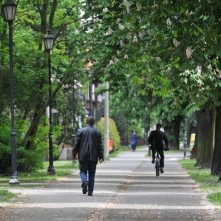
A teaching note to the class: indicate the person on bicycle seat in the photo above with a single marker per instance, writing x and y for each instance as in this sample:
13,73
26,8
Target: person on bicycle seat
157,139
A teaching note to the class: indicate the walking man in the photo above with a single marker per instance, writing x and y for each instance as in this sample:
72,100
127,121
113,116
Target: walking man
89,148
157,139
134,141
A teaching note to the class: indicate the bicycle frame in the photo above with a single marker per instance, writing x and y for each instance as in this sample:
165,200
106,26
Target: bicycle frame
157,164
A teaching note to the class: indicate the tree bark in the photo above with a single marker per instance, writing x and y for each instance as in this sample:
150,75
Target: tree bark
204,133
176,132
188,132
216,161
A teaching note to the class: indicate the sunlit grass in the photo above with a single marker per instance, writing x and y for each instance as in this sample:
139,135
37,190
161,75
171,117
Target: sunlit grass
37,176
5,195
209,182
61,164
215,198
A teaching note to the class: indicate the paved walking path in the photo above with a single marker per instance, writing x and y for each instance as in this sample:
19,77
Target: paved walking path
126,189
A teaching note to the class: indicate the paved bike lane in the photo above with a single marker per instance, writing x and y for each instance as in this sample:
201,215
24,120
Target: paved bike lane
126,188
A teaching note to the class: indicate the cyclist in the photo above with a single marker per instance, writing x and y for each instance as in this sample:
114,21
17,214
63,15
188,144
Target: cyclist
157,139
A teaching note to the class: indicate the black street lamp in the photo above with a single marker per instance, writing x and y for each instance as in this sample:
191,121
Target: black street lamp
49,43
73,135
9,9
185,138
144,128
90,92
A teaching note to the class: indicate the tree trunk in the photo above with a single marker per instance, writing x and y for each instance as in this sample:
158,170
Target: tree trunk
216,161
204,132
176,132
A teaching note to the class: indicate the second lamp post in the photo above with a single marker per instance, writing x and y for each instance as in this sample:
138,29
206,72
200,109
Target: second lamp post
49,43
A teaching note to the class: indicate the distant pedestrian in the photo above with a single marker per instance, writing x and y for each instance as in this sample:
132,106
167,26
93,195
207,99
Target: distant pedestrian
89,148
134,141
157,139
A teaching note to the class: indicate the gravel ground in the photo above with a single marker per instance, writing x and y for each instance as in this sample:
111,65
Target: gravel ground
126,188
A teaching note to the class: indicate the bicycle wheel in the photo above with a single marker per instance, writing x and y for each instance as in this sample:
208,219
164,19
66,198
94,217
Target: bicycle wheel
157,168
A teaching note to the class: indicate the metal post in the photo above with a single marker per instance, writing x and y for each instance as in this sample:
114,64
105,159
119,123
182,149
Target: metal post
127,133
144,127
185,138
51,169
106,115
149,134
73,135
90,97
14,177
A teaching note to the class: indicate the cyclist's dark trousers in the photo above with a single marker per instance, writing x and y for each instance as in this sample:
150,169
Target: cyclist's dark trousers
161,157
134,147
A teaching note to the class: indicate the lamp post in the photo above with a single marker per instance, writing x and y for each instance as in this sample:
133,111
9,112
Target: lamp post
49,43
9,9
144,127
73,135
90,92
185,138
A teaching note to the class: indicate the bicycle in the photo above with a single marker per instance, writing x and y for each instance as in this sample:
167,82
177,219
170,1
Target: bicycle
157,164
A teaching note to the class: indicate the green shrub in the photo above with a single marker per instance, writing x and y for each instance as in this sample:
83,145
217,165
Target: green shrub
113,133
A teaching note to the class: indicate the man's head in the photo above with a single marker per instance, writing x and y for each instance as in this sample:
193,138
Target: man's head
134,132
158,127
90,121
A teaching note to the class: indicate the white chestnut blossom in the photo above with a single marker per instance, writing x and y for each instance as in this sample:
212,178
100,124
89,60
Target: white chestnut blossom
100,42
144,60
85,42
135,39
176,43
78,52
129,35
197,96
99,26
92,7
121,43
111,62
187,71
127,4
76,32
126,56
90,30
106,43
110,31
199,69
219,76
210,67
118,20
207,88
158,59
105,10
146,45
118,52
116,59
188,52
91,48
168,24
139,7
141,34
121,27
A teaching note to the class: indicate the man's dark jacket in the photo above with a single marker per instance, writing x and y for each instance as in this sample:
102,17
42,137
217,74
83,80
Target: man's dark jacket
156,139
88,144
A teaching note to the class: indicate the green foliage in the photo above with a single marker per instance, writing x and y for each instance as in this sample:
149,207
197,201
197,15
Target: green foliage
215,198
113,133
5,195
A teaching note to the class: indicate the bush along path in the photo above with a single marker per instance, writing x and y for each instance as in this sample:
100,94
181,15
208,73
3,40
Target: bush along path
126,188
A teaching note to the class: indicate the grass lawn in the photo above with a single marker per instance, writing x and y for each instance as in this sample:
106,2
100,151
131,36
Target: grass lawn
61,164
5,195
37,176
207,182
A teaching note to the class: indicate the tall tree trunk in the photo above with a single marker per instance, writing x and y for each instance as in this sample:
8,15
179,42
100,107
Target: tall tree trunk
204,132
176,132
216,161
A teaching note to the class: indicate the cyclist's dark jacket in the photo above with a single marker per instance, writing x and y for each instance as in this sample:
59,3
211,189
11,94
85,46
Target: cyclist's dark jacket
156,140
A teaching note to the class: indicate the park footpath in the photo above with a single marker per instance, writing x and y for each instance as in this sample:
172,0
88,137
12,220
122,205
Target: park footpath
126,189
